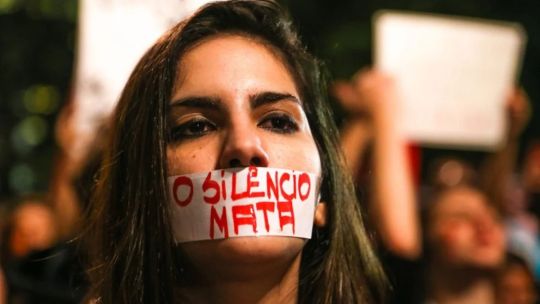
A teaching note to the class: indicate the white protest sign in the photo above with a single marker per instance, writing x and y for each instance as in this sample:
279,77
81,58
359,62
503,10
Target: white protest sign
112,36
253,201
453,75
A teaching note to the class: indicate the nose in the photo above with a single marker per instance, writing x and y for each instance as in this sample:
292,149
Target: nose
486,224
243,148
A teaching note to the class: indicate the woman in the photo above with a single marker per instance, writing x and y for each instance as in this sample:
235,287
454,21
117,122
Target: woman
465,245
230,87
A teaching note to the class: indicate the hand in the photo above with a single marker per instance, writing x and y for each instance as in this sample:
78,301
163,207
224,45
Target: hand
370,92
518,111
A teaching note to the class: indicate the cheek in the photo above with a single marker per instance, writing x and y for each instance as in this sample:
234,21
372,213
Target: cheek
191,158
300,155
497,244
295,152
454,236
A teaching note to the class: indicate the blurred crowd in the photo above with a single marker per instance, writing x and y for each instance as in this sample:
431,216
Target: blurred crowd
465,232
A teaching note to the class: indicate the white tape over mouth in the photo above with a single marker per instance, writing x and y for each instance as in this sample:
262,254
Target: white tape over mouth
239,202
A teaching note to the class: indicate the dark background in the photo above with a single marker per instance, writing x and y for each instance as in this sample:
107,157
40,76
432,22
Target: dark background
37,43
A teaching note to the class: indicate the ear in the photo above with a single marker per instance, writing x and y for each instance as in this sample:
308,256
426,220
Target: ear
320,214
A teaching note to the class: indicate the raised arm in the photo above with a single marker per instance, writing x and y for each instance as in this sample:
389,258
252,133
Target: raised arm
500,165
393,204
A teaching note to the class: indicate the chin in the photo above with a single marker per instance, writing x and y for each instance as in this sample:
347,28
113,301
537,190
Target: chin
487,259
243,254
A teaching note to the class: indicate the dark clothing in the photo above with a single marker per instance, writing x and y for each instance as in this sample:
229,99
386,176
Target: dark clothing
54,275
406,278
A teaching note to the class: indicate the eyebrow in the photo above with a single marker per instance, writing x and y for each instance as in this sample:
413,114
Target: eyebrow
214,103
211,103
264,98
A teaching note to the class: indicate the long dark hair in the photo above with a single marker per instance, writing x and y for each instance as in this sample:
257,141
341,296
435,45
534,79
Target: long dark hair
134,256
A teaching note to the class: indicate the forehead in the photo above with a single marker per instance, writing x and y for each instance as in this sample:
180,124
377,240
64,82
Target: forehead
235,57
461,200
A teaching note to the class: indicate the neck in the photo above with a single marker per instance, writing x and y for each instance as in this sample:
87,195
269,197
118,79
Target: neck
448,285
276,283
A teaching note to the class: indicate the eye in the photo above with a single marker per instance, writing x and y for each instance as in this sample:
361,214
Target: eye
193,128
279,123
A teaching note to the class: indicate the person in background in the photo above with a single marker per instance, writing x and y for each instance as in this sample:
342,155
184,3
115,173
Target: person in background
372,143
465,246
531,170
373,121
515,282
32,227
500,167
39,266
528,221
371,99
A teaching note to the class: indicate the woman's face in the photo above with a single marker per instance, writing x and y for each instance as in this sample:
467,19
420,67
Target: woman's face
465,231
235,104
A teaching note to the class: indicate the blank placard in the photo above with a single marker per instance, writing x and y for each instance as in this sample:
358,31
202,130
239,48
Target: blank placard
453,75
